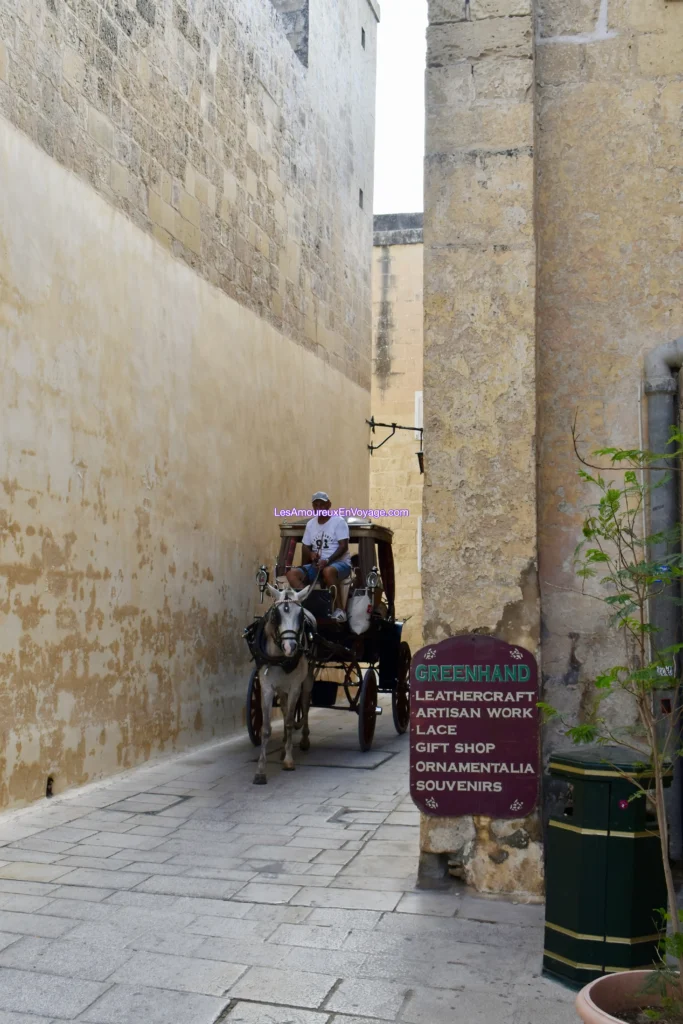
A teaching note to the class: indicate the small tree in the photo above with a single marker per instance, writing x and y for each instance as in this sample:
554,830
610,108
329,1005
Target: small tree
615,550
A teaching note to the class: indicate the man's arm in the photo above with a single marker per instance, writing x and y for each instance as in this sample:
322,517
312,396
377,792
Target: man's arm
342,547
308,555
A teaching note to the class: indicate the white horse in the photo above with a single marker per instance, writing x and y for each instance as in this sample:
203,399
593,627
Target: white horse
286,672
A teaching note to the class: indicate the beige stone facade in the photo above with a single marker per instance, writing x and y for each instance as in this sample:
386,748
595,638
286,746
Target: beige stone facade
552,265
609,187
199,123
479,534
182,248
395,480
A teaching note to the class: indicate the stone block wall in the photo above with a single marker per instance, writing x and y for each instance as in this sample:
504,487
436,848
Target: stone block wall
294,16
395,480
198,121
184,288
609,180
479,570
580,209
480,406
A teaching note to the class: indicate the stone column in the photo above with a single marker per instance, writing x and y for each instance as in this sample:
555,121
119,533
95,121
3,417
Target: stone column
479,526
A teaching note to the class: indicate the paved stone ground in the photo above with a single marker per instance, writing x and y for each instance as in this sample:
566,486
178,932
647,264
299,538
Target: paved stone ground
182,894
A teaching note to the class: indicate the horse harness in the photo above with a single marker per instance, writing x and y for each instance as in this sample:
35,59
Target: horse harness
255,636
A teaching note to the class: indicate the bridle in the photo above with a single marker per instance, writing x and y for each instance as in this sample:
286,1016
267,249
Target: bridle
303,637
296,635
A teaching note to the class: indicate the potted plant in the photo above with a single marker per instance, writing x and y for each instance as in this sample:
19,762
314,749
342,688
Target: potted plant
616,553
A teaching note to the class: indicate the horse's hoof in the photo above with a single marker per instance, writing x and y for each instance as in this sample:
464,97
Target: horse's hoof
304,745
260,780
288,766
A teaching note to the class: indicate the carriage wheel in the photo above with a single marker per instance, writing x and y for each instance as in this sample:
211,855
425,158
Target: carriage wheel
400,698
367,710
254,710
353,677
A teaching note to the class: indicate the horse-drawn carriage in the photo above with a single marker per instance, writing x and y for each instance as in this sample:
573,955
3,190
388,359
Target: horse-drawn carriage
358,647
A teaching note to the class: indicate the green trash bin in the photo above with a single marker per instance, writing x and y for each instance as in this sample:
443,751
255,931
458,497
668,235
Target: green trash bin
604,877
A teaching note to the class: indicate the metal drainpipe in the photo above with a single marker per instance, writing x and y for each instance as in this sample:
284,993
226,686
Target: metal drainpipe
661,387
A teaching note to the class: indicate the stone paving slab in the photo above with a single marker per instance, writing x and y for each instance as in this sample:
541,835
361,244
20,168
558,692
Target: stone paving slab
15,853
293,988
22,1018
29,888
181,894
25,871
441,1007
71,959
227,927
26,904
33,924
261,1013
343,1019
250,952
180,973
309,935
256,892
129,1005
348,900
368,997
46,995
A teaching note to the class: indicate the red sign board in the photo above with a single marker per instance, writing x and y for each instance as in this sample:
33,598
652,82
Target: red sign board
474,737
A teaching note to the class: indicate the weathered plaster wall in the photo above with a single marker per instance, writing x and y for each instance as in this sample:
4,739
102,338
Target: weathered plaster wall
395,480
147,434
609,186
200,123
479,532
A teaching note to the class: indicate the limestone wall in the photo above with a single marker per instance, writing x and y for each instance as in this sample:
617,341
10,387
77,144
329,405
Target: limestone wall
200,123
184,286
591,197
609,185
294,18
479,569
395,480
147,436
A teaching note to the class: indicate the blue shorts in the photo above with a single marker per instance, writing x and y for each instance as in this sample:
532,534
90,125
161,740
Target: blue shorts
310,570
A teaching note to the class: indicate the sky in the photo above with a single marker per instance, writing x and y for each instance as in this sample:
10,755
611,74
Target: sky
399,147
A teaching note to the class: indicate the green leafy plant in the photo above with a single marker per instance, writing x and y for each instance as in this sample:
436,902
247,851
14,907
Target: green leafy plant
616,552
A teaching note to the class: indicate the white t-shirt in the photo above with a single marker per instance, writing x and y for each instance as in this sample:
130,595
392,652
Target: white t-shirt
328,533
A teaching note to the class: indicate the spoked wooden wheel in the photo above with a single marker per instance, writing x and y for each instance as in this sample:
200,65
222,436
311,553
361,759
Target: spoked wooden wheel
400,698
254,710
367,710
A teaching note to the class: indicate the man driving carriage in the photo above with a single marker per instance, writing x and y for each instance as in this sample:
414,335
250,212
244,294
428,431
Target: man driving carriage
325,547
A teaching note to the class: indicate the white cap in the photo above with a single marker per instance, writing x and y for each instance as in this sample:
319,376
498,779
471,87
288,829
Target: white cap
320,496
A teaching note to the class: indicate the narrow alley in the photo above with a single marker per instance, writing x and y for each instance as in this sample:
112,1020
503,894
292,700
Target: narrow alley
180,893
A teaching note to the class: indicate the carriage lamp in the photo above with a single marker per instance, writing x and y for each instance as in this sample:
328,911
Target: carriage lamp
262,580
372,580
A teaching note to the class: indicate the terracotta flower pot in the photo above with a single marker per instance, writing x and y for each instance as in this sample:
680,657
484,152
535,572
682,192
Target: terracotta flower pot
598,1002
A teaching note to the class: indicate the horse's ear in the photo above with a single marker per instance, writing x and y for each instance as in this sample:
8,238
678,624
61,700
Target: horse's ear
301,595
273,591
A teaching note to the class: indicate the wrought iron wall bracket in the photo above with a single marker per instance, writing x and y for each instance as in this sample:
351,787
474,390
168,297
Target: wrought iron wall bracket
372,423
